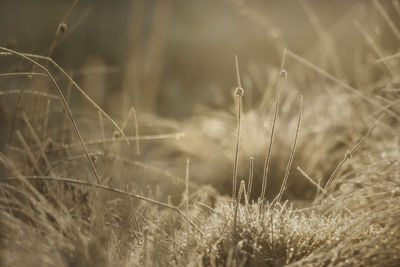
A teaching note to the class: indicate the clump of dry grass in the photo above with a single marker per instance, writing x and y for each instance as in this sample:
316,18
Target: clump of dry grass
278,236
357,224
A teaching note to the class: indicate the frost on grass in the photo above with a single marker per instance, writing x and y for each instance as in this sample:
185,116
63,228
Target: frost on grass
147,212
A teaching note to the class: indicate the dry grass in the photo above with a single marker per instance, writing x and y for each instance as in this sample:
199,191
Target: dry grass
314,184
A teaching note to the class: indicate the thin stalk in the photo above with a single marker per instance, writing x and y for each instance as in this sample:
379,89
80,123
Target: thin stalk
239,92
29,74
103,136
27,91
319,188
46,120
187,202
64,125
136,131
289,165
251,174
132,115
282,79
242,190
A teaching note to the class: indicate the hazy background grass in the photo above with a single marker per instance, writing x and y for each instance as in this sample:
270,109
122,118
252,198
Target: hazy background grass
182,49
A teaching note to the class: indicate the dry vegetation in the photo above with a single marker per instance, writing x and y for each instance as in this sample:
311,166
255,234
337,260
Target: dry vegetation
307,174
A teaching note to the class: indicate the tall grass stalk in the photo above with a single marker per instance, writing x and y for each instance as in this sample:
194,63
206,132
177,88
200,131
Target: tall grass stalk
250,182
289,164
282,80
239,92
187,201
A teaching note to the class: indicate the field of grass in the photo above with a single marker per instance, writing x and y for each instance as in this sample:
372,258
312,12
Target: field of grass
293,158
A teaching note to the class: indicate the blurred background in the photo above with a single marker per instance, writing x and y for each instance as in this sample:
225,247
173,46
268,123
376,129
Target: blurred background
158,52
173,61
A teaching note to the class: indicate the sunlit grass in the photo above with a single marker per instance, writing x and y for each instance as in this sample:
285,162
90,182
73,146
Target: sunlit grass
315,162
